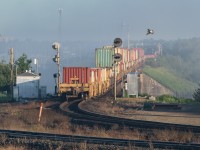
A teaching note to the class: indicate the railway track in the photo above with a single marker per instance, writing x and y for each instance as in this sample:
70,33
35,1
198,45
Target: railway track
72,109
16,135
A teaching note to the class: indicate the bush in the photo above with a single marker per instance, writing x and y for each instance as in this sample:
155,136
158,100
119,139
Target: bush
5,98
166,99
172,99
196,95
148,106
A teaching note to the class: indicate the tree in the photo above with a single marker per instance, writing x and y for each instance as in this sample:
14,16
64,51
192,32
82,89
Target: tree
4,76
23,64
196,94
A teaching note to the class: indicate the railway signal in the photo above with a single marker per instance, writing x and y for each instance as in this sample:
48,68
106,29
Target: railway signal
56,46
56,59
116,58
117,42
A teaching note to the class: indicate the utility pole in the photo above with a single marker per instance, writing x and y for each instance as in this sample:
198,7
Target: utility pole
160,48
60,10
36,65
11,69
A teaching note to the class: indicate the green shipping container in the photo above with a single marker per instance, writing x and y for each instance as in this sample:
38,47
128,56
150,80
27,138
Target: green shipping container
104,57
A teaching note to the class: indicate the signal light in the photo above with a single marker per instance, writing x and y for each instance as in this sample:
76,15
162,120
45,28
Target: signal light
117,42
56,59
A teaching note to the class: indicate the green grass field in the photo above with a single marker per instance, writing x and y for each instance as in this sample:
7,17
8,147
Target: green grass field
170,80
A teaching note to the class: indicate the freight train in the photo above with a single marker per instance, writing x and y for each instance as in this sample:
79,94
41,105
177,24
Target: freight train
86,82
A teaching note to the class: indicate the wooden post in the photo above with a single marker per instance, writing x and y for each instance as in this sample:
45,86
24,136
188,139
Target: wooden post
40,114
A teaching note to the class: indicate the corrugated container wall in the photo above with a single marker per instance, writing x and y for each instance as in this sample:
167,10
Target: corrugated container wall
132,55
139,52
103,75
95,75
104,57
82,73
136,54
124,53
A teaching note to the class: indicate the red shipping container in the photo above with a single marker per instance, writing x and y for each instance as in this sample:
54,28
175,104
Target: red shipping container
141,52
83,73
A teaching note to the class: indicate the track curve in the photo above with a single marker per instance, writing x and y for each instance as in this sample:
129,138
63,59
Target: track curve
73,109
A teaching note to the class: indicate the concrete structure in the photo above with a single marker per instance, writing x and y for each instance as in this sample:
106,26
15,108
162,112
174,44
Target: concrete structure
43,92
28,85
132,84
152,87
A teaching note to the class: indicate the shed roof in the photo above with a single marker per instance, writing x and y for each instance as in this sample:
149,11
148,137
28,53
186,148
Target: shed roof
27,74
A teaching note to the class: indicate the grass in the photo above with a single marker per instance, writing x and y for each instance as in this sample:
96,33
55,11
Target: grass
172,99
170,80
4,97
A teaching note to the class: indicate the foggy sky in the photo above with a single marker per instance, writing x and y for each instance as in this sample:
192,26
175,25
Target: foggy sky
99,19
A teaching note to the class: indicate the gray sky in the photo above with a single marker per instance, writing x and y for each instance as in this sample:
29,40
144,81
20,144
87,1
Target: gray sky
99,19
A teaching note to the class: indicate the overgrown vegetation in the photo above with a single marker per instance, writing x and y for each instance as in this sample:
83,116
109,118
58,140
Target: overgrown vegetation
23,63
4,97
181,87
172,99
196,94
180,58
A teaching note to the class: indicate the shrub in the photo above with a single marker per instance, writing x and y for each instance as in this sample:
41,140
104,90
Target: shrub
196,95
172,99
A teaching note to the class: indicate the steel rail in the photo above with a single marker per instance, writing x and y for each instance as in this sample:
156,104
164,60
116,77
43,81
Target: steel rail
12,134
73,110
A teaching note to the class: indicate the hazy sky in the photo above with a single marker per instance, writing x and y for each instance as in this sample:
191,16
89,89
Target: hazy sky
99,19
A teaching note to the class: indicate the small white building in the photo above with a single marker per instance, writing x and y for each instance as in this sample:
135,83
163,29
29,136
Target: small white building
28,85
132,84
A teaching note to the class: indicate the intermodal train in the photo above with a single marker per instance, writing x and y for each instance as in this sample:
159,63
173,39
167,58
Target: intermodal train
90,82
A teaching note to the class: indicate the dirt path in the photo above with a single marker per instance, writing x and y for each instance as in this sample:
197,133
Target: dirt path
188,114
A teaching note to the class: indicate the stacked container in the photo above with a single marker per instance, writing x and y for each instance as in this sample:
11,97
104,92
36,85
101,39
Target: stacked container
96,81
132,55
104,57
140,53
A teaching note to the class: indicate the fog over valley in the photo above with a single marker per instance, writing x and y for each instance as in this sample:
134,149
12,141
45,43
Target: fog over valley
32,26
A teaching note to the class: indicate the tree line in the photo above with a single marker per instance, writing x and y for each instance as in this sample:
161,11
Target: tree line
182,57
20,66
